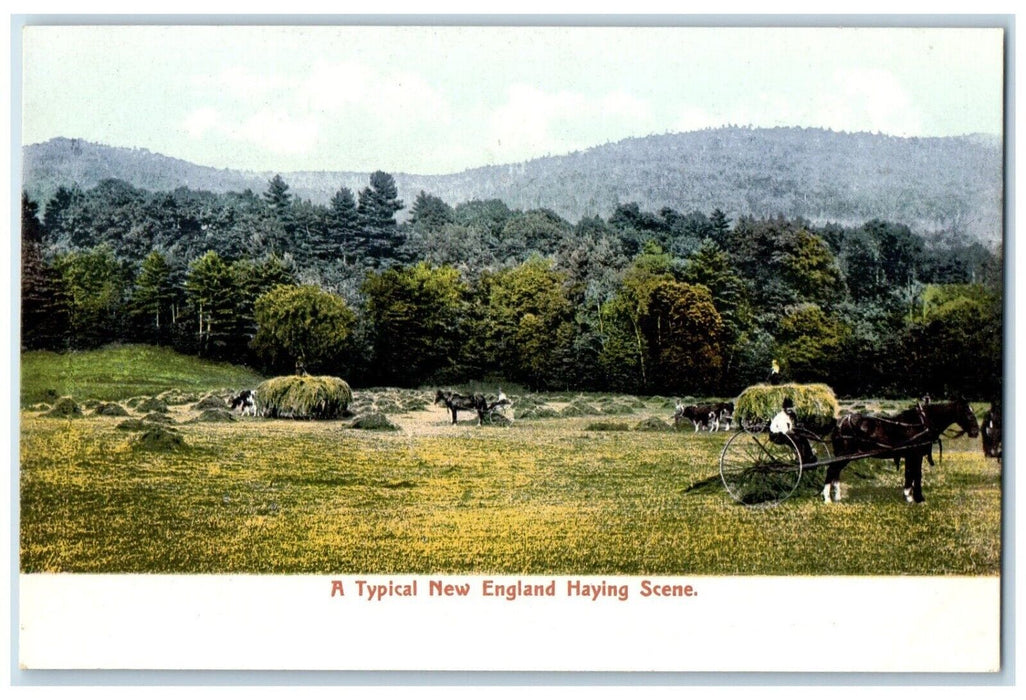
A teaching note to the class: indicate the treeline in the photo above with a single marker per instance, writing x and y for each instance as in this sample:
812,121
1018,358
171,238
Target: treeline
667,302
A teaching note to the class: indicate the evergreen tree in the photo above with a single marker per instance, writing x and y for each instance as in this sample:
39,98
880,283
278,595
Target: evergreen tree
430,213
210,291
153,299
63,213
720,224
343,224
44,310
710,267
253,279
277,197
377,208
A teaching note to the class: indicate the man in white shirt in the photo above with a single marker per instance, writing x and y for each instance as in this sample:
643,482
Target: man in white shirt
784,423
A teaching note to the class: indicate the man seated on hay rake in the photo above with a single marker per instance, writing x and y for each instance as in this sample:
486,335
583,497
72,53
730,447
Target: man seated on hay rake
785,423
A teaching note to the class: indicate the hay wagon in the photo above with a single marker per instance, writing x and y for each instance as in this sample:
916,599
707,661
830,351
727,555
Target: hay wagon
760,472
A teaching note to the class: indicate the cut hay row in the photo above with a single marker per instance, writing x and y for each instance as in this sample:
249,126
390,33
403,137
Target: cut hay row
815,404
319,398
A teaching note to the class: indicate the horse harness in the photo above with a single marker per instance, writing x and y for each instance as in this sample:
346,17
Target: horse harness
863,437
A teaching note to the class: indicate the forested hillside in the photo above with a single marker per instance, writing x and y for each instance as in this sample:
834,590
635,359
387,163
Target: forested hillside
930,184
694,302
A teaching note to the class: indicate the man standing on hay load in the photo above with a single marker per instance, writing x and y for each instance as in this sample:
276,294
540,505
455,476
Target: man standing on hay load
784,423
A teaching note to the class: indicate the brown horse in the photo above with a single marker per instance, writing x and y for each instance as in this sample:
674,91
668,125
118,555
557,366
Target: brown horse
909,435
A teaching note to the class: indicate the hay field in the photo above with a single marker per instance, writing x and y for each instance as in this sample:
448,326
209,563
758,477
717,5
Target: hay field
546,495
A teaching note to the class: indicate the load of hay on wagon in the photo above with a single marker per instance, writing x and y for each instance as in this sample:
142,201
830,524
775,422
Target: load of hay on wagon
815,404
318,398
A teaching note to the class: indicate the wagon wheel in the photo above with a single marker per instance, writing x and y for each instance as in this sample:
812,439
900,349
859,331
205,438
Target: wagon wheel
758,472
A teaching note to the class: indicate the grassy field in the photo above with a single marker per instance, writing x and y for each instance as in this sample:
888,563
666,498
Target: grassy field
543,496
118,373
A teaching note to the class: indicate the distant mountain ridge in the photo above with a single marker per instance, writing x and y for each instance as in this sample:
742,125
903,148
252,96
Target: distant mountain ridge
929,184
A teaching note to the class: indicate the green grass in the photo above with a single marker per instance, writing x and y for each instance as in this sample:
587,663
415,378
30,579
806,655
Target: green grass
545,496
119,372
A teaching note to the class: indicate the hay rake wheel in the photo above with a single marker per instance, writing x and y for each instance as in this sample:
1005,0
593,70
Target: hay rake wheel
758,472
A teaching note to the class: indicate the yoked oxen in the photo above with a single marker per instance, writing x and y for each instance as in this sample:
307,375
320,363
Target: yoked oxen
710,416
245,401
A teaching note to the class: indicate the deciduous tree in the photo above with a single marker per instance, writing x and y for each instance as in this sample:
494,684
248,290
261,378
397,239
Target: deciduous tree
305,323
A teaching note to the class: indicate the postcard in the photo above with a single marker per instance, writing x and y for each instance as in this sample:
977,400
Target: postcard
470,346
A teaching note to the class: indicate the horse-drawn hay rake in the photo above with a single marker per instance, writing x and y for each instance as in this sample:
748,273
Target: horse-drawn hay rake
761,469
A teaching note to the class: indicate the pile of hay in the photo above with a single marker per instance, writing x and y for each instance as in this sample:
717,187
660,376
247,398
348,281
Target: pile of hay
159,439
210,402
64,408
579,407
214,415
134,424
612,407
110,409
152,404
815,404
157,417
321,398
654,424
541,411
176,397
373,421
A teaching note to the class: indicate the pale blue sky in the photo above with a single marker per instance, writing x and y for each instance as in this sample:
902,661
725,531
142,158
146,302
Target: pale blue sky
442,99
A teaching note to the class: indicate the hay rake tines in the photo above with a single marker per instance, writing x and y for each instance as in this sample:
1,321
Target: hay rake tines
758,472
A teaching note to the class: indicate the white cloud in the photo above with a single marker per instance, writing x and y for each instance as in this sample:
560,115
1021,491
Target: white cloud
331,87
200,121
533,122
869,100
280,132
691,118
242,83
623,105
273,131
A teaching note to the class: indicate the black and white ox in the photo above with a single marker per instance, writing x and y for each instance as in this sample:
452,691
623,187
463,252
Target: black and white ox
245,401
710,416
